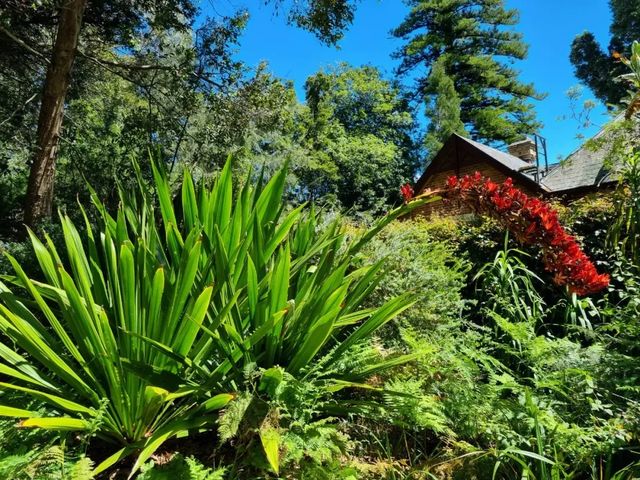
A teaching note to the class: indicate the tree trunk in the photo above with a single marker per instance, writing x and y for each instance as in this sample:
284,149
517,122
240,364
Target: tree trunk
40,188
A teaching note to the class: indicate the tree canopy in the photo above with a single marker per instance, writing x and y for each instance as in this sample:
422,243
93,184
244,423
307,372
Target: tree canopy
362,131
599,69
474,45
155,45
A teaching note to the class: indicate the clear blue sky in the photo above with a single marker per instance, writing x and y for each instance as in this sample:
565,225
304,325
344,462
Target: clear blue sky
548,26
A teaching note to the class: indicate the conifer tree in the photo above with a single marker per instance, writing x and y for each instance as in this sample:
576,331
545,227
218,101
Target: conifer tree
598,69
442,108
477,47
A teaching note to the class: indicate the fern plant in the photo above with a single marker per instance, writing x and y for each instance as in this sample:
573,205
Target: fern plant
45,463
180,468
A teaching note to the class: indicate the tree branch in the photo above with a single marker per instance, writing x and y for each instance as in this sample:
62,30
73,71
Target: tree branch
24,45
29,100
130,66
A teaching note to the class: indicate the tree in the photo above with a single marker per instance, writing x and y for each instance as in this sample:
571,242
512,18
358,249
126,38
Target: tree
111,29
442,108
476,49
113,23
326,19
361,135
598,69
40,187
254,123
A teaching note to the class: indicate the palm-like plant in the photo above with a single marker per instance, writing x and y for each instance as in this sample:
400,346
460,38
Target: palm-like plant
284,290
76,337
156,314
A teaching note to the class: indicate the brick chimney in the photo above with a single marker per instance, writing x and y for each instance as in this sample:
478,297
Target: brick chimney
524,150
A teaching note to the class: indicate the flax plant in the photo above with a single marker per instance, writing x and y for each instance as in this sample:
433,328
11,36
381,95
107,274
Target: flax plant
145,330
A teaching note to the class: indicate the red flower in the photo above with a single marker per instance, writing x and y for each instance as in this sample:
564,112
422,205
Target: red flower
407,192
533,222
490,186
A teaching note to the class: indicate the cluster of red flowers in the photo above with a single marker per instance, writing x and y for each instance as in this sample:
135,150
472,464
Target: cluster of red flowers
407,192
532,222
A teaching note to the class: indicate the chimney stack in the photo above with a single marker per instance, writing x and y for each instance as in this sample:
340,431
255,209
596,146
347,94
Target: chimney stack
524,150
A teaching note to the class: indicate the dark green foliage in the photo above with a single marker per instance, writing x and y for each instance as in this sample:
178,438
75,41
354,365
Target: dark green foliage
442,108
327,19
597,68
180,468
13,184
176,62
471,40
361,136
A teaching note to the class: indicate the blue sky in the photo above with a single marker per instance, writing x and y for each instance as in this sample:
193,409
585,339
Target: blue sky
548,26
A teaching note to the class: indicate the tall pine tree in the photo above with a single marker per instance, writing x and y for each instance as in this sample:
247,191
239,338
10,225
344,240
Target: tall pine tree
477,48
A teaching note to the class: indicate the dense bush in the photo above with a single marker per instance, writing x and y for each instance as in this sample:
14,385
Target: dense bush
419,261
486,371
525,379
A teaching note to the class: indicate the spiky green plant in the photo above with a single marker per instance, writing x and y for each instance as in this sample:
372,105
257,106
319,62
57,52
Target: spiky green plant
286,293
75,337
624,231
152,315
509,288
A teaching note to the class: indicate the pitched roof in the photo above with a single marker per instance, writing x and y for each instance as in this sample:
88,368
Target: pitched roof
510,161
509,164
584,168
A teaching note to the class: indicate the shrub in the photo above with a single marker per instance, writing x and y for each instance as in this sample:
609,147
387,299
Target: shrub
532,222
180,468
415,260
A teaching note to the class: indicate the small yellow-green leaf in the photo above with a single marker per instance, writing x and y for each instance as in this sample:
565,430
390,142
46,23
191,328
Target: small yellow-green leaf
56,423
270,438
217,402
